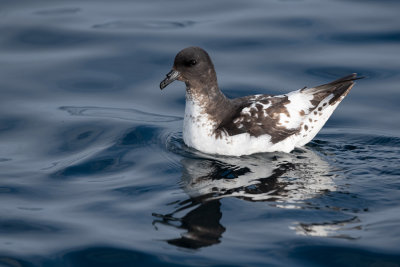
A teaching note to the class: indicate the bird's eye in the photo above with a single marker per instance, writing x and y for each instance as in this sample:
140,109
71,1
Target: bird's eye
192,62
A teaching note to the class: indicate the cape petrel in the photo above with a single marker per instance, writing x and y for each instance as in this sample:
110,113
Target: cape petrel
215,124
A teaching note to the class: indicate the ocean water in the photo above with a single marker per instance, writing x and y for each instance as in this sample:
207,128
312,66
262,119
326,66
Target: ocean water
93,169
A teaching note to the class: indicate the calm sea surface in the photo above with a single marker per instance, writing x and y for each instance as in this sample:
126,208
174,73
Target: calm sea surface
93,168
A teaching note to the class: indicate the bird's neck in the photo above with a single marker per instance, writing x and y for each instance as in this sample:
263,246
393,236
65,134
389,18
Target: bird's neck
209,100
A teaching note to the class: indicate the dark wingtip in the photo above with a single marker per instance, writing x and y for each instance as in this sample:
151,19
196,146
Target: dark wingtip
349,78
354,78
361,77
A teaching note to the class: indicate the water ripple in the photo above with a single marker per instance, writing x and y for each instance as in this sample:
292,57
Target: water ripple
118,113
332,72
45,37
145,25
14,226
58,11
90,82
357,38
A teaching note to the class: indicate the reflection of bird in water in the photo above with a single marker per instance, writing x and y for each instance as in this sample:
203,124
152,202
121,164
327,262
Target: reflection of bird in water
281,178
275,177
346,228
202,223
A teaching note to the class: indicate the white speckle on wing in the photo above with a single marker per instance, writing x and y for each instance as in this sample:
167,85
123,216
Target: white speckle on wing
246,111
255,97
298,101
263,107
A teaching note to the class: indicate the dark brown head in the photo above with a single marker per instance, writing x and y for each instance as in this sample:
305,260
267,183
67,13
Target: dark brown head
193,66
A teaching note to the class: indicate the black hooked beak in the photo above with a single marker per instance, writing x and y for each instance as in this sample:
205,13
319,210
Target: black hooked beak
171,76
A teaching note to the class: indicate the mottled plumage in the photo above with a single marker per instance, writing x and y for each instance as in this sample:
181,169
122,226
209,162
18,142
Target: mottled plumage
259,123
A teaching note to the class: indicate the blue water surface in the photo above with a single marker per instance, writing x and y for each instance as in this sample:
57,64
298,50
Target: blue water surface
93,168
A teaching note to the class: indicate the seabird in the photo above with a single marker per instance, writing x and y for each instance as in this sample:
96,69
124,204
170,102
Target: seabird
215,124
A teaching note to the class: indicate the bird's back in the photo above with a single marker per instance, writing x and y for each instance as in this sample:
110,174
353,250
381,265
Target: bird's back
292,119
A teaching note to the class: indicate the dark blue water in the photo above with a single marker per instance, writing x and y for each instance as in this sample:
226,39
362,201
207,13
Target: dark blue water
93,169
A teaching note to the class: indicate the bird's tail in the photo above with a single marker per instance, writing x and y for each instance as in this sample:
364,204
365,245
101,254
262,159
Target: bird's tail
339,88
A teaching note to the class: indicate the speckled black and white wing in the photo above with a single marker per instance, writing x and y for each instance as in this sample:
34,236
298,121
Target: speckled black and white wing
259,115
299,114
